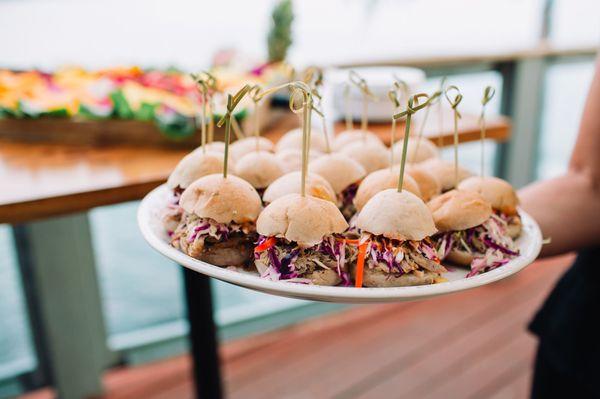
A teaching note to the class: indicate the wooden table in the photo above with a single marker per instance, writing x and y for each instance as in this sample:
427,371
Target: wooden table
44,193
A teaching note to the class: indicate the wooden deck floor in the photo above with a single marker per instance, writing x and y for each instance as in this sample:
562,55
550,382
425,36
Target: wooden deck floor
467,345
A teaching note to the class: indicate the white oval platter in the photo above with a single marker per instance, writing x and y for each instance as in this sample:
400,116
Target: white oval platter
150,224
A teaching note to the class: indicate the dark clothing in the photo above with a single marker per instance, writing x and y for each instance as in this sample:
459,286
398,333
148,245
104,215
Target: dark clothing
568,327
549,382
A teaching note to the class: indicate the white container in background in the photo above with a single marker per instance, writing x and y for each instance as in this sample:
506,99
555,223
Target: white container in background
379,80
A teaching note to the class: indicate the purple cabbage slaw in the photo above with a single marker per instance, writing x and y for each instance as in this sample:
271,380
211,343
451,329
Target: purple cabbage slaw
392,253
498,247
172,214
348,194
202,228
282,257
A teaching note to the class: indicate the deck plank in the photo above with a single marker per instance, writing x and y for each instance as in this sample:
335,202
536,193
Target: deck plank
379,347
460,353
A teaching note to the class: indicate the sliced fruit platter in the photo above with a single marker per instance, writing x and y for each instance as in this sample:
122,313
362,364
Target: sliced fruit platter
168,101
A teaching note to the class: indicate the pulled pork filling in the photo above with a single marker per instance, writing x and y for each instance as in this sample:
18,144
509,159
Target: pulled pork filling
396,257
488,243
345,201
217,243
278,259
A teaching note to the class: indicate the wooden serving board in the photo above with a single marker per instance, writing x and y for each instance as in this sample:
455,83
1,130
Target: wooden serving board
90,132
73,131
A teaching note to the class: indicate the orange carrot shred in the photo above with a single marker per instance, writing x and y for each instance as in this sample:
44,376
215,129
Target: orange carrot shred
360,264
268,243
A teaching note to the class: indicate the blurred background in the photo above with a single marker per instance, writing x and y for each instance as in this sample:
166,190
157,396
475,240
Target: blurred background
539,54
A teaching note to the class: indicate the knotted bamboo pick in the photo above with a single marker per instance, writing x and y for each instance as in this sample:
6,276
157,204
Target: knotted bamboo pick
412,107
454,104
488,94
237,130
435,97
402,87
302,89
441,114
347,113
232,102
367,94
393,97
205,82
211,120
314,79
254,94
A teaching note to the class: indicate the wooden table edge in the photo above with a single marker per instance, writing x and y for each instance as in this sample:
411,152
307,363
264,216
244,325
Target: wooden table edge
38,209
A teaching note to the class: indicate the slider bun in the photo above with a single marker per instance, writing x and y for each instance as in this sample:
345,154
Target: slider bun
378,278
293,139
338,169
459,210
396,215
499,193
427,150
214,146
244,146
193,166
224,200
292,158
324,277
291,183
429,186
459,257
346,137
444,172
381,180
514,228
303,220
370,155
259,168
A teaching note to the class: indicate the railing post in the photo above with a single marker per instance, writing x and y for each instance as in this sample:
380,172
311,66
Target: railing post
523,95
59,277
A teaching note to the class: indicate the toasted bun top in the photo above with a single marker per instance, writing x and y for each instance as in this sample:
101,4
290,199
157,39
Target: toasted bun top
241,147
224,200
427,150
293,139
382,180
292,158
259,168
459,210
429,186
303,220
338,169
215,146
193,166
370,155
346,137
396,215
499,193
290,183
444,172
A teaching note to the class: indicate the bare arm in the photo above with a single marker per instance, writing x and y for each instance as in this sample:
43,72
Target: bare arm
568,207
